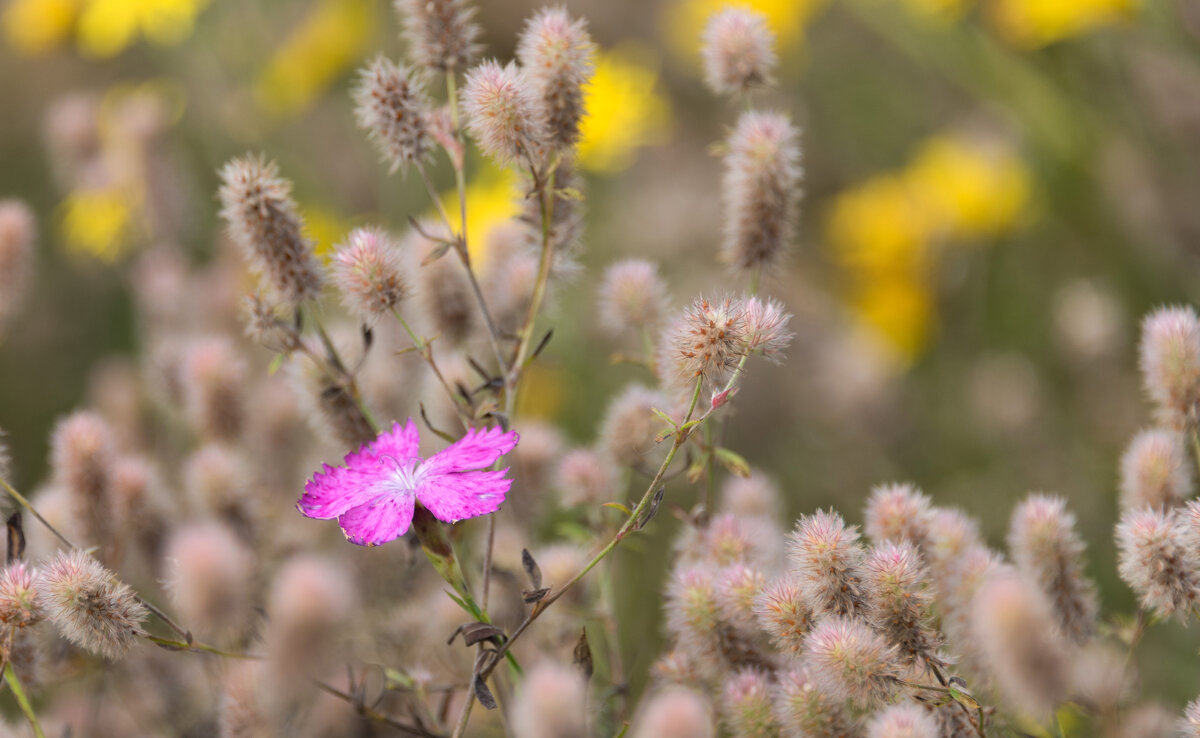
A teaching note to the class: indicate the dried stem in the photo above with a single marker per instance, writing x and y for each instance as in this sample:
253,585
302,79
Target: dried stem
378,717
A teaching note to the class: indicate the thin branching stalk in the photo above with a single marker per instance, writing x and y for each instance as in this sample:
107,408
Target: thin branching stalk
425,349
14,684
375,716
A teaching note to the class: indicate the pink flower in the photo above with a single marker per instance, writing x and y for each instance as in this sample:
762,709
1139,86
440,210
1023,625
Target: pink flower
373,496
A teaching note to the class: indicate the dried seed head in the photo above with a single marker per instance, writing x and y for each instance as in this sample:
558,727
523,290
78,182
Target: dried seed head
265,325
214,379
585,478
89,606
674,713
804,709
257,206
391,106
1170,363
899,512
209,577
901,604
849,661
81,457
782,614
1156,471
550,702
503,114
1189,725
19,605
903,721
761,190
747,705
738,50
632,297
441,34
369,272
709,339
1018,637
827,559
766,328
1048,551
17,233
1156,562
558,56
753,496
629,426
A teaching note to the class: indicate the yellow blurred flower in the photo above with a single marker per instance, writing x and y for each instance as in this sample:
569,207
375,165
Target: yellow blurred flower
879,227
969,190
899,311
36,26
940,10
684,21
325,229
102,28
624,112
542,394
326,43
1033,23
492,199
98,223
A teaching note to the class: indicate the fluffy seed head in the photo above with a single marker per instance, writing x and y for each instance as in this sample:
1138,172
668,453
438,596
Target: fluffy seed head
753,496
265,326
898,512
214,379
17,233
747,705
727,539
1170,363
897,588
804,709
391,106
1156,562
1048,550
19,605
902,721
766,328
826,559
782,614
632,297
550,702
308,606
738,50
258,209
709,339
849,661
1017,635
440,33
674,713
956,588
443,293
557,54
369,272
89,606
629,426
210,575
502,111
693,615
1189,725
585,477
738,588
1156,471
761,189
82,457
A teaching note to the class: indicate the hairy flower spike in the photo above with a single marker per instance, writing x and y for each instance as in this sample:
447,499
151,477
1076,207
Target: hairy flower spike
1156,562
903,721
214,380
739,51
629,426
849,661
210,576
89,606
502,111
369,272
738,588
804,709
761,190
558,56
82,456
766,328
258,208
550,702
1048,550
1189,725
441,34
585,478
674,713
899,512
1156,471
1170,363
746,704
901,605
391,106
709,339
782,614
827,559
17,233
632,297
19,605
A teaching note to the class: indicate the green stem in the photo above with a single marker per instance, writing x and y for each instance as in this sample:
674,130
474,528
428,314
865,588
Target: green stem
18,692
201,647
425,349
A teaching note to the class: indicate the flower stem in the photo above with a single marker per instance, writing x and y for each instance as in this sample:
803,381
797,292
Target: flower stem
14,684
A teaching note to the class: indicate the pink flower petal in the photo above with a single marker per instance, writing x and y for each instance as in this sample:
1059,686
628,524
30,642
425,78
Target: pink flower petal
400,442
379,521
475,450
461,495
330,492
334,490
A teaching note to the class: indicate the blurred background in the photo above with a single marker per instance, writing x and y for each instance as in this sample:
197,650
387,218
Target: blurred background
996,191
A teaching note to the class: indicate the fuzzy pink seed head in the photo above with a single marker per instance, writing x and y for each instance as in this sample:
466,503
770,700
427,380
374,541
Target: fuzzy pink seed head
727,539
81,457
805,709
632,297
900,600
534,458
264,324
503,115
761,190
585,477
309,607
1155,560
904,720
19,604
755,496
369,272
557,54
1156,470
1019,641
782,614
214,379
264,221
766,328
899,512
674,713
681,666
739,51
1189,725
1170,363
17,234
738,588
708,341
1099,677
6,465
214,480
550,702
441,34
747,707
826,558
629,426
956,587
952,533
89,606
210,573
1049,551
392,107
850,661
693,615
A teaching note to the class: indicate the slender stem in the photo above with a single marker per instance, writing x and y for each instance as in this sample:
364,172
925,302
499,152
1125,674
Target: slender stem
340,367
378,717
545,262
1196,446
1139,629
425,349
487,559
18,692
202,647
